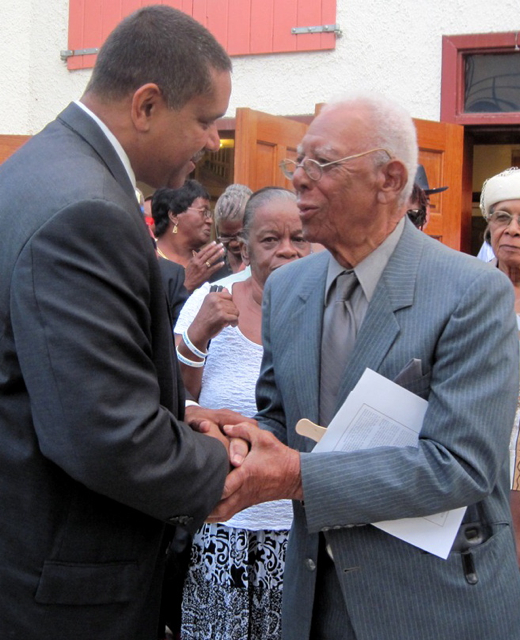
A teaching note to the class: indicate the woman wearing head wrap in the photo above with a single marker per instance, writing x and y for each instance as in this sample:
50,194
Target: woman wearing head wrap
500,206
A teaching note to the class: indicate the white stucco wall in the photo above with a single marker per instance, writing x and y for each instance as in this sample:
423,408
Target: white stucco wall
393,47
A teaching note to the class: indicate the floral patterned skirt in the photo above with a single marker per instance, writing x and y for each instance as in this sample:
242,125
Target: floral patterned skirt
233,590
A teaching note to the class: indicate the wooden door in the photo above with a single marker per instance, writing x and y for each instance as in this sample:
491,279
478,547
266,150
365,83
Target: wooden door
262,141
441,150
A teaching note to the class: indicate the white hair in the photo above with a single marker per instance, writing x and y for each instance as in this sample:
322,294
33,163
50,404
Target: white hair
231,203
392,129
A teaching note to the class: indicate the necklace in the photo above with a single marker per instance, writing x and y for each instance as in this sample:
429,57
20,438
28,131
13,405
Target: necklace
161,253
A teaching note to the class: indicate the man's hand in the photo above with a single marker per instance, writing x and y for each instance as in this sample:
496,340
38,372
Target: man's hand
204,420
213,430
271,471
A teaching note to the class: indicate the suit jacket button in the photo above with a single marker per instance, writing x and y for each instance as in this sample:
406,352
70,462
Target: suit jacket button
310,565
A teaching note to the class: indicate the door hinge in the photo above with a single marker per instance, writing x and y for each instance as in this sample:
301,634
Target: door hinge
68,53
324,28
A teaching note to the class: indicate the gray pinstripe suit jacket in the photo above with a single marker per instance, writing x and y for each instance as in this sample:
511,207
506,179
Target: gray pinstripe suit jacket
455,314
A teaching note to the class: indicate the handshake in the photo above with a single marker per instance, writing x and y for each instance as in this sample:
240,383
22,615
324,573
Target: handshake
261,467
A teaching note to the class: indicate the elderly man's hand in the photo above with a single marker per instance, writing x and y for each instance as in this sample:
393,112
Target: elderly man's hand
203,420
271,471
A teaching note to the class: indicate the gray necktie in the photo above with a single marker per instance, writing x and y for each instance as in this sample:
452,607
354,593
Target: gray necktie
339,335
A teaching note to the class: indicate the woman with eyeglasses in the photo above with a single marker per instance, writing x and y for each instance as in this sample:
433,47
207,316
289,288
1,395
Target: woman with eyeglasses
500,206
183,222
229,215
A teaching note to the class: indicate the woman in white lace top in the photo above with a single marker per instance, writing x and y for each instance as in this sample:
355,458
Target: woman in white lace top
234,584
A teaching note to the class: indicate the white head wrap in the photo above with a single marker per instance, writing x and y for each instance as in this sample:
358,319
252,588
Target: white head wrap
503,186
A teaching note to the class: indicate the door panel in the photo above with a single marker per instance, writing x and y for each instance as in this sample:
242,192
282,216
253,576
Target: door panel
262,141
441,154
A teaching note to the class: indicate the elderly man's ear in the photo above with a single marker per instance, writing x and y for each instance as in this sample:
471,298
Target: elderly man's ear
393,180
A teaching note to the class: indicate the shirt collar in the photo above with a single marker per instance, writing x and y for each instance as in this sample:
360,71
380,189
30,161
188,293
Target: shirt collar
369,270
113,141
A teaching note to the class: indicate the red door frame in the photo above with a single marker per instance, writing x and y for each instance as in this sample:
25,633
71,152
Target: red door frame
454,50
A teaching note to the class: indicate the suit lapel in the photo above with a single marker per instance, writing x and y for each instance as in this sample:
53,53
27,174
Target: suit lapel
380,328
306,328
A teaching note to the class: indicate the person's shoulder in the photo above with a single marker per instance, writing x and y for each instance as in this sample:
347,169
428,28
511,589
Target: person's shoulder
436,250
300,278
298,269
230,280
170,269
459,270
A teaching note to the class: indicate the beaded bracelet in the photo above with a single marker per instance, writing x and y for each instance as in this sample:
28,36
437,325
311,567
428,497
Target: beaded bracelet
188,362
192,347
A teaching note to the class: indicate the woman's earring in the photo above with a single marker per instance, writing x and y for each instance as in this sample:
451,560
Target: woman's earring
175,223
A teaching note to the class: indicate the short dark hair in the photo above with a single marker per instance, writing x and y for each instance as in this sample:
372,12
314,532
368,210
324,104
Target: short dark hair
258,199
162,45
175,200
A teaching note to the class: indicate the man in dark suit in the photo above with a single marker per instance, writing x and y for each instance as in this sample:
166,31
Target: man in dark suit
441,323
94,458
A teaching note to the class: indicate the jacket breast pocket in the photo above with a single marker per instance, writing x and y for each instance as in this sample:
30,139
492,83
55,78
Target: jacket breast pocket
420,386
87,584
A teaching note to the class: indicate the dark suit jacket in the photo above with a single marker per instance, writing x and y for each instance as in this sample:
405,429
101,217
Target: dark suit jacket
173,281
93,460
454,314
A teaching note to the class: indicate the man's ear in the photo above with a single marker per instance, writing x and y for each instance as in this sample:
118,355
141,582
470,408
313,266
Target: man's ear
393,181
147,101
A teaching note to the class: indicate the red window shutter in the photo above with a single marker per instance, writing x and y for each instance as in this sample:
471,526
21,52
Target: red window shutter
239,33
243,27
90,22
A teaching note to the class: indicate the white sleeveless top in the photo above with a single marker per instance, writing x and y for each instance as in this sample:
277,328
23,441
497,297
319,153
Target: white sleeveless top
228,381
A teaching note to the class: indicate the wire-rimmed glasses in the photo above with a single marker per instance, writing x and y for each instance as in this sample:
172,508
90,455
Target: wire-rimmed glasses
503,218
314,169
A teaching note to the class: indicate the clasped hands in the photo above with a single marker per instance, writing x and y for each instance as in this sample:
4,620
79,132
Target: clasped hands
262,467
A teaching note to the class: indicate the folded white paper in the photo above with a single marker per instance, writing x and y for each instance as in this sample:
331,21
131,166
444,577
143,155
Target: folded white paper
380,413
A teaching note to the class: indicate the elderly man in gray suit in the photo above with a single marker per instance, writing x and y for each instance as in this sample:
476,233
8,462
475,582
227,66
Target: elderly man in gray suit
443,324
95,459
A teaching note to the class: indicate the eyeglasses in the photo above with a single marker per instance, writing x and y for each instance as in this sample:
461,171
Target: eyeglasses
230,242
314,169
204,212
503,218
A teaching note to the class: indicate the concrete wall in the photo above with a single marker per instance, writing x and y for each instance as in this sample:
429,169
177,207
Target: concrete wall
393,47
